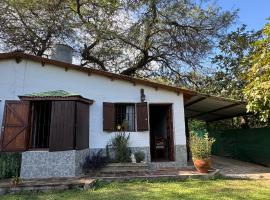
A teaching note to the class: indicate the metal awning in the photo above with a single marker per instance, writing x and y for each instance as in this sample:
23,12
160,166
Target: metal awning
210,108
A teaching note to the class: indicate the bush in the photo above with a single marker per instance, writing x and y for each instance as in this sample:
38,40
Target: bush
10,165
120,144
95,162
201,146
139,156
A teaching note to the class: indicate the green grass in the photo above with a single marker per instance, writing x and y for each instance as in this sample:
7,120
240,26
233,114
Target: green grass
218,189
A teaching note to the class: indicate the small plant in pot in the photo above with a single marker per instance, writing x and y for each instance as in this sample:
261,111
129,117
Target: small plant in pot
201,148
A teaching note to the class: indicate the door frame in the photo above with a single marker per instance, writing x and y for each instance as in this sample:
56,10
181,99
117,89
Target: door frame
171,152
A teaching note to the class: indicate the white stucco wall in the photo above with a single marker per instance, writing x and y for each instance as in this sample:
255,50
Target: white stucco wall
28,77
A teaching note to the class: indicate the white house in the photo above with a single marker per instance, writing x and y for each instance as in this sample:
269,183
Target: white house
56,113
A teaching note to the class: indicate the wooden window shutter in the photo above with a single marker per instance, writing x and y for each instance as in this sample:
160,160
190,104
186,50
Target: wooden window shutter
82,125
62,129
142,116
108,116
15,126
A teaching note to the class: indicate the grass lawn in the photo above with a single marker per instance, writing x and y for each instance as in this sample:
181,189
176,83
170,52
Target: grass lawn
191,189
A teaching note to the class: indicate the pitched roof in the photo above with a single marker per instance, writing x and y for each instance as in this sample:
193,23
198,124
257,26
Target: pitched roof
197,105
18,56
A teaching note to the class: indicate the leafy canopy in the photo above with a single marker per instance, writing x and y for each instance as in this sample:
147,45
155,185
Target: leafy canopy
136,38
32,26
257,91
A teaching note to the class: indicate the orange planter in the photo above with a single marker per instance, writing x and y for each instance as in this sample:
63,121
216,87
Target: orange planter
203,166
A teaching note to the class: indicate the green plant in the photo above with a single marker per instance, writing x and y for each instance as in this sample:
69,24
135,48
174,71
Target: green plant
10,164
201,146
120,144
95,162
139,156
15,181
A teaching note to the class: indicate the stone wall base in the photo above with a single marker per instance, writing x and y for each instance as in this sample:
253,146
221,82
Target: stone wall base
45,164
180,157
146,151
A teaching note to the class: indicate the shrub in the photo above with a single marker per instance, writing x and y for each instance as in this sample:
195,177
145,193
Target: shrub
95,162
10,165
139,156
201,146
120,144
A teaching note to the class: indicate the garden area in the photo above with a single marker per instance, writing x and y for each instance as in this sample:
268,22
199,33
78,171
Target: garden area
189,189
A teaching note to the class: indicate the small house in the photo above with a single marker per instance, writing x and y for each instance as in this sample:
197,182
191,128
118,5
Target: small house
57,113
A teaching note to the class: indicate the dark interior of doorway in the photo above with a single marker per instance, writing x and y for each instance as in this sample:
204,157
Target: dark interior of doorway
161,132
41,120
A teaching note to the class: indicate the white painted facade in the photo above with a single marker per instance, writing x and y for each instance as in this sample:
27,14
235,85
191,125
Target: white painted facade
29,76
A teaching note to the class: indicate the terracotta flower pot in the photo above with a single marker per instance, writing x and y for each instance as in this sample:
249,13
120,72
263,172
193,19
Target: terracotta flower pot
202,165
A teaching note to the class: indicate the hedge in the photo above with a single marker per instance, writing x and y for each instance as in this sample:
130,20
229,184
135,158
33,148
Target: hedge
10,164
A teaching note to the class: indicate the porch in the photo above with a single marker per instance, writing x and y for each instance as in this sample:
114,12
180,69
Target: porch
209,109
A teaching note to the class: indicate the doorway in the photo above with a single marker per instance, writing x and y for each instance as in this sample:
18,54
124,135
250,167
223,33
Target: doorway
41,122
161,132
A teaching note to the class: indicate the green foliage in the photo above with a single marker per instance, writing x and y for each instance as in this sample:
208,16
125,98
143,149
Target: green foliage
95,161
136,38
196,125
10,164
201,146
120,145
33,26
257,91
227,80
139,156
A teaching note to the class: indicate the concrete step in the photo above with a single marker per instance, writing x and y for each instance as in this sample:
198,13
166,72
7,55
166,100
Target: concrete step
164,165
181,175
125,167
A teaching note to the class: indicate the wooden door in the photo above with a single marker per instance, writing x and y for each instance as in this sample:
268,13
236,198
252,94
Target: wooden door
82,125
108,116
62,128
15,126
170,133
142,116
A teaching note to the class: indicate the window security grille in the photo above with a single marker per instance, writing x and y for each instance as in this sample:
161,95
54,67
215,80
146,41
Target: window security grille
125,117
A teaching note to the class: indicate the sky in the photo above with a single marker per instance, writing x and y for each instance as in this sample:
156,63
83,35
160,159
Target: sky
253,13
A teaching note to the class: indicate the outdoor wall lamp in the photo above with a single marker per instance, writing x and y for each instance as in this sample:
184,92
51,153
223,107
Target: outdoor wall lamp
142,95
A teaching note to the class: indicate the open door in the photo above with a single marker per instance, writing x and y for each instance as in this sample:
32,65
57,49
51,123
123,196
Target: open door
15,126
161,132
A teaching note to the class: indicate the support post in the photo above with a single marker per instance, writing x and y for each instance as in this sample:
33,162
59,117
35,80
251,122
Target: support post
187,138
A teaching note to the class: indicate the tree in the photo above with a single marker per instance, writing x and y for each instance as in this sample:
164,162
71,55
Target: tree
160,38
257,90
95,22
33,26
228,80
136,38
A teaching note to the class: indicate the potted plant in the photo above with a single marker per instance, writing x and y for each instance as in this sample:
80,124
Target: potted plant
201,151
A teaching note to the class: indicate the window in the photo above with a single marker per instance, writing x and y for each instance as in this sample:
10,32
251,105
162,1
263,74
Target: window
125,117
54,123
